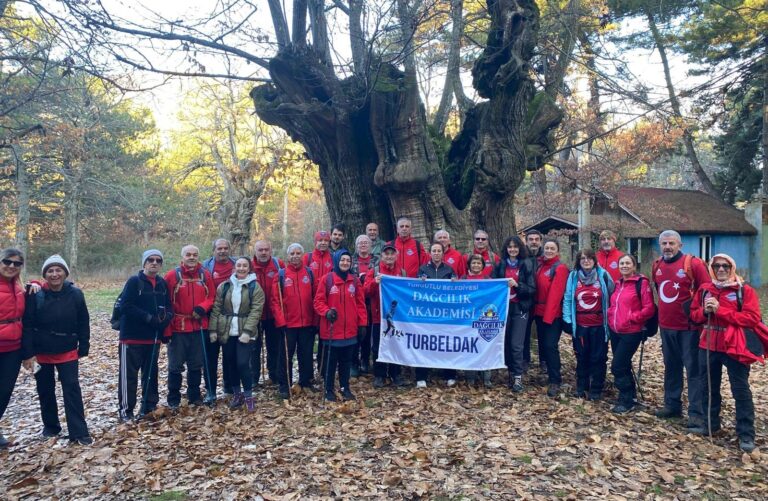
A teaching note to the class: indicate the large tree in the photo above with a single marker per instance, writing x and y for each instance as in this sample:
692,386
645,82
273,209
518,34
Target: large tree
361,118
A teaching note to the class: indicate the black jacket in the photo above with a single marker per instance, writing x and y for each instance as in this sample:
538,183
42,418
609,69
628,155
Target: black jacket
526,281
145,310
444,272
57,322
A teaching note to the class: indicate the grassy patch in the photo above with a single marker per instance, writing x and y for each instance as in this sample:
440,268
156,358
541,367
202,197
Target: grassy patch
525,459
101,300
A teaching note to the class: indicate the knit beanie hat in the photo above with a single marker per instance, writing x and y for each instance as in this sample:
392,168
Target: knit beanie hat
55,260
322,235
149,253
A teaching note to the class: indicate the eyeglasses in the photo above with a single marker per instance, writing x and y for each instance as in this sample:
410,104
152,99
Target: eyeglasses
481,239
721,266
11,262
153,260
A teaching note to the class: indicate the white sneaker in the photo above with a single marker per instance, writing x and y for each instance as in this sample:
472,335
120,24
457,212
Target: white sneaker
421,384
451,382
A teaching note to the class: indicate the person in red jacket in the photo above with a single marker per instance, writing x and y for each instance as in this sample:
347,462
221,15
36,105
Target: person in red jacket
292,303
266,269
719,305
482,247
387,266
551,278
677,276
608,255
340,302
192,297
320,260
12,304
627,315
451,257
410,253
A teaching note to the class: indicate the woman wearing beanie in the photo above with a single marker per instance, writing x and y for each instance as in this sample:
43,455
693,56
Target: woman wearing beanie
340,302
12,347
234,320
57,323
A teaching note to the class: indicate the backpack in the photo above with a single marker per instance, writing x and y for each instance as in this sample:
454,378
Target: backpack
117,311
651,326
180,280
251,287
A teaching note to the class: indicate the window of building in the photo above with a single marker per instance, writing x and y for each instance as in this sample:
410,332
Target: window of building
705,247
635,247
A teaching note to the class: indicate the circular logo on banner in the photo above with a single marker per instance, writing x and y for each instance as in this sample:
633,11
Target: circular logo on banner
488,325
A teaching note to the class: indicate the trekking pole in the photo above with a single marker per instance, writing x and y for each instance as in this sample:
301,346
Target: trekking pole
262,335
285,344
145,387
709,382
327,362
205,367
638,381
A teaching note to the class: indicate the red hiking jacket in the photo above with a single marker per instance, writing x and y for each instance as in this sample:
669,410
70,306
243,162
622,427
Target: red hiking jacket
490,264
265,274
298,293
550,290
191,292
347,298
609,261
726,315
410,255
321,263
11,311
455,260
371,289
628,313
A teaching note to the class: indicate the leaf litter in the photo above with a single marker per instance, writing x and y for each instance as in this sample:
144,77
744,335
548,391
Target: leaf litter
437,443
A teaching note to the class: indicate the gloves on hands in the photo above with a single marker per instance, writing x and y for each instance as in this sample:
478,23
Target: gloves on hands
244,338
331,315
199,311
213,337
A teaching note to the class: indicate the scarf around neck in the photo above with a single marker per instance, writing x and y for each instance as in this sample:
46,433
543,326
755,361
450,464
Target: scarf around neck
237,298
588,278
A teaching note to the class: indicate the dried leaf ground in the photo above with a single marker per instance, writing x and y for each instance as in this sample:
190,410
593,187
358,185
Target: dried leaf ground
437,443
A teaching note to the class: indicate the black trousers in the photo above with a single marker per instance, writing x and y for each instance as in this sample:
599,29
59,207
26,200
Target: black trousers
623,347
591,349
272,337
135,358
527,343
256,358
681,351
549,347
514,341
10,363
185,348
301,342
381,369
338,358
237,364
363,349
73,398
738,376
422,373
212,351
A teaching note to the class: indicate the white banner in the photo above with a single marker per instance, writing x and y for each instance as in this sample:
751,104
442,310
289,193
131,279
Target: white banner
442,323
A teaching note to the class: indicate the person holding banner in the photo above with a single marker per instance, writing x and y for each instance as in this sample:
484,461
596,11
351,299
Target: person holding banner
585,317
340,302
387,266
631,306
410,253
435,269
476,265
551,278
518,270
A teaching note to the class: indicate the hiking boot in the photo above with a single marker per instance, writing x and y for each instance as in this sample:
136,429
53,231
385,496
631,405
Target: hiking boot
347,394
595,397
174,406
517,384
399,382
747,444
311,388
667,413
365,369
488,384
250,404
330,396
621,408
284,393
553,390
421,384
580,393
695,423
354,371
238,399
543,368
378,382
196,403
4,443
86,440
52,432
210,400
121,417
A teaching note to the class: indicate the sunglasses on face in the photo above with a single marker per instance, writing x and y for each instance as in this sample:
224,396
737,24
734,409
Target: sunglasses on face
481,239
11,262
721,266
153,260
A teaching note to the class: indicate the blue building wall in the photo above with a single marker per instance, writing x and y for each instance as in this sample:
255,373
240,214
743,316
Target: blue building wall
736,246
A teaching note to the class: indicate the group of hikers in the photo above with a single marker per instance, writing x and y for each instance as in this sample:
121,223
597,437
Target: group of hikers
236,307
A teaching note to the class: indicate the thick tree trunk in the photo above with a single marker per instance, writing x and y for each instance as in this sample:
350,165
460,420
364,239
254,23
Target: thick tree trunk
368,134
21,240
73,184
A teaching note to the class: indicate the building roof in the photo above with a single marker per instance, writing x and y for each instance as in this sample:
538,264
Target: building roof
684,211
645,212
